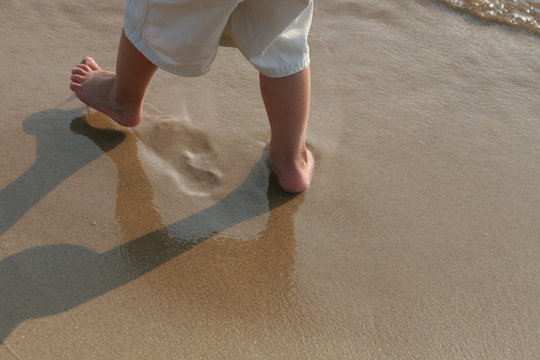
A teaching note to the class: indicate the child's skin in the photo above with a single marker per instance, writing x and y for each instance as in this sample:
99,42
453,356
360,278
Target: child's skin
120,96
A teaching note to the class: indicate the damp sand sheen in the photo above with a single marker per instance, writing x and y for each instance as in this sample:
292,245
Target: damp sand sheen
418,238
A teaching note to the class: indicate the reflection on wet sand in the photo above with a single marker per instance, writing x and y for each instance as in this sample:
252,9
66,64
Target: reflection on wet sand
51,279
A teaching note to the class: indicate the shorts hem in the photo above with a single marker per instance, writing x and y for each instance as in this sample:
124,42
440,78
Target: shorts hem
286,70
133,35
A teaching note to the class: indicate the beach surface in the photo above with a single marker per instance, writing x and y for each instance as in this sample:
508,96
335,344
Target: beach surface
419,237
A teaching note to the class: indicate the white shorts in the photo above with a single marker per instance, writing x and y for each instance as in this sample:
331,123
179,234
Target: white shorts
182,36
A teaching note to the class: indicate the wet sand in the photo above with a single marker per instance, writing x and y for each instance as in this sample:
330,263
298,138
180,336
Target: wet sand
418,239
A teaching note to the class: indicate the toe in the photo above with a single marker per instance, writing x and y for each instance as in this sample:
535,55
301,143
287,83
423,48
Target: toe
78,71
77,78
84,67
74,86
92,64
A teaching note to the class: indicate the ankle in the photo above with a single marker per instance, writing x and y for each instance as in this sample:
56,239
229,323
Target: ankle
126,98
289,157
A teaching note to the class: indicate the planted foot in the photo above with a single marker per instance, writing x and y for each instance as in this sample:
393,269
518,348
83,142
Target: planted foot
293,174
96,88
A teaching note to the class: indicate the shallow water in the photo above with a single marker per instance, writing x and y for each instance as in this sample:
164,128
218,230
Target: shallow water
518,13
417,239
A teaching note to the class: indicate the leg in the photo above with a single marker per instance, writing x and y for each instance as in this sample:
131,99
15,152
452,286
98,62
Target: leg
118,95
287,103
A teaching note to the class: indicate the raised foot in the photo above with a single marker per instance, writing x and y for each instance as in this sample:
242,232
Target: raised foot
293,175
96,88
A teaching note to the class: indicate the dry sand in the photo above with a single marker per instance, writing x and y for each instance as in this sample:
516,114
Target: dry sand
419,238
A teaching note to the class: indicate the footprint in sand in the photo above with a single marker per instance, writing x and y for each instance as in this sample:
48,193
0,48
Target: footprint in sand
178,153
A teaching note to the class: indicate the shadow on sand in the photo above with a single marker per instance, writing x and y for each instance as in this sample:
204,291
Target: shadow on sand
48,280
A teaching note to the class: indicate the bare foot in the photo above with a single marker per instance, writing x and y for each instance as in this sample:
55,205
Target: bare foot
293,175
95,87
